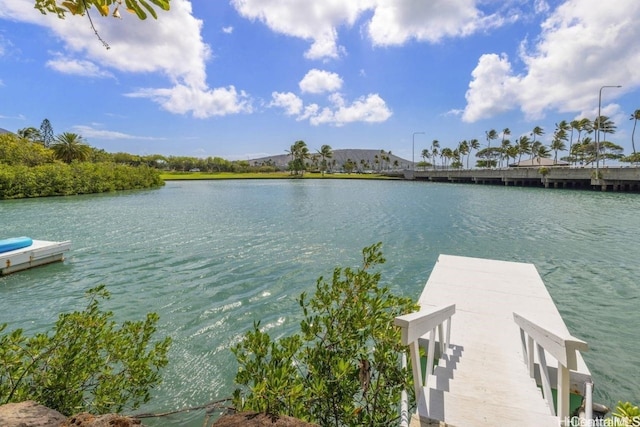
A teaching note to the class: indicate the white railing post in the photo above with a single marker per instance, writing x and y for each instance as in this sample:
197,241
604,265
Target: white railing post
546,382
414,350
563,348
563,391
588,400
415,325
404,398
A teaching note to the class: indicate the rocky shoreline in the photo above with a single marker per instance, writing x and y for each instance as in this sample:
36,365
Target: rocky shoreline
32,414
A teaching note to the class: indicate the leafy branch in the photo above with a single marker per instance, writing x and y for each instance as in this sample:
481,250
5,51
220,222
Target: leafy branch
342,368
88,363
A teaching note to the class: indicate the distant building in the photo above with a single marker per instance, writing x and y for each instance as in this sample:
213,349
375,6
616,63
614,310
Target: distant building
536,162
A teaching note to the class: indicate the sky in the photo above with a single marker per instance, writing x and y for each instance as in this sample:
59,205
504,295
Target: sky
243,79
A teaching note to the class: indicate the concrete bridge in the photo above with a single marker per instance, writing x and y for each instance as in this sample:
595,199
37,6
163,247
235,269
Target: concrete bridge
610,178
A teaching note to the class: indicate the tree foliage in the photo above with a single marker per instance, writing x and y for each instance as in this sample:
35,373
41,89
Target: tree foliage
299,153
46,132
342,369
60,179
87,363
105,7
28,169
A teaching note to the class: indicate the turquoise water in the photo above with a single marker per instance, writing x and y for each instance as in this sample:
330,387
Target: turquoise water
211,257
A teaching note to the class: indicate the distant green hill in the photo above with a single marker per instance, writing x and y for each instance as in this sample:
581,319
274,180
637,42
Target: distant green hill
365,159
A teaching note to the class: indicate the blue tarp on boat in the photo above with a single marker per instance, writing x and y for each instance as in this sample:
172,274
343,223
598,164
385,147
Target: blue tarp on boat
14,243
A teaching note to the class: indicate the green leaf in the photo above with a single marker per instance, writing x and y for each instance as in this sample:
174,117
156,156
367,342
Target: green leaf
149,8
162,4
133,5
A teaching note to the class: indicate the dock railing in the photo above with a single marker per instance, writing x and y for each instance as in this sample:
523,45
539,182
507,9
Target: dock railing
536,339
414,326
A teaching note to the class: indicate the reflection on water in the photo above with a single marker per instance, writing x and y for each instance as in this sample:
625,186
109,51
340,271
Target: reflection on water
212,257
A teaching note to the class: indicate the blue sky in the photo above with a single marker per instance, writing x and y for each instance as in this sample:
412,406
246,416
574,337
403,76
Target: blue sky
242,79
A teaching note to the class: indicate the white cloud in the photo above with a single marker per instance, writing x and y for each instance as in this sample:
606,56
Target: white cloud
584,45
77,67
369,109
492,89
227,30
171,45
91,132
395,22
390,22
182,99
288,101
320,81
315,21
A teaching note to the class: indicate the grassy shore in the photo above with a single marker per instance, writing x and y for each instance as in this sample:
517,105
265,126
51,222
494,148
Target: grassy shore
179,176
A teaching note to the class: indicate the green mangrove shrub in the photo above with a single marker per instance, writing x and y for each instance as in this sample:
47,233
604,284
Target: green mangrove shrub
61,179
88,363
342,368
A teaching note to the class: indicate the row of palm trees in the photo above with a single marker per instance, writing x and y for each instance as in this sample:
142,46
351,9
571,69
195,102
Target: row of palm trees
582,150
322,161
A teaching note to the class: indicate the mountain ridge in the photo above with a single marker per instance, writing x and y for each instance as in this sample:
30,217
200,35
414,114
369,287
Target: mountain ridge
370,159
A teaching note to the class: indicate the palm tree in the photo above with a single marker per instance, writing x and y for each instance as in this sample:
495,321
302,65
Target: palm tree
299,152
69,147
536,147
463,150
558,143
491,135
435,144
610,151
474,144
542,151
504,149
447,154
559,138
524,146
425,155
635,117
325,153
537,131
605,125
512,153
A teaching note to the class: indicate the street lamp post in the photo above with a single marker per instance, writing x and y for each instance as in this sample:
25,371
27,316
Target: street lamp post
598,130
413,150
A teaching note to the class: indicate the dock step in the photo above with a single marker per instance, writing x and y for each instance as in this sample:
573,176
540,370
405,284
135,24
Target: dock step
460,385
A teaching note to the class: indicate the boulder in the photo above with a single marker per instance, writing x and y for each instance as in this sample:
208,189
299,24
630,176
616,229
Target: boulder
254,419
29,414
109,420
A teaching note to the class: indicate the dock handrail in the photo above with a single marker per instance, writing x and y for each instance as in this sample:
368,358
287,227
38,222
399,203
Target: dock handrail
414,326
563,348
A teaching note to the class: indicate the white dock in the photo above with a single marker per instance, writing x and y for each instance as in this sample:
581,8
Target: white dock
500,316
39,253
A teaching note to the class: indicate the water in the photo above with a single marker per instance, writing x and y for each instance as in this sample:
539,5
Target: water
212,257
